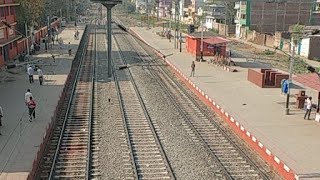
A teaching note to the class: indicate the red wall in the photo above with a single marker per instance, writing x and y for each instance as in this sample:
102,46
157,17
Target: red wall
193,46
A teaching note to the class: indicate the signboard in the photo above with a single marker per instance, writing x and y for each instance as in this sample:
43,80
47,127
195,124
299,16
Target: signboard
211,46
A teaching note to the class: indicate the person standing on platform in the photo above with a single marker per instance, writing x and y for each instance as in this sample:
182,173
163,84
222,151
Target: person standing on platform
30,74
69,49
193,66
32,109
309,107
77,34
27,96
40,74
1,116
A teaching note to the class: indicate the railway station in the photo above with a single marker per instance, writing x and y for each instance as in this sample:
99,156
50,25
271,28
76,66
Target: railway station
124,101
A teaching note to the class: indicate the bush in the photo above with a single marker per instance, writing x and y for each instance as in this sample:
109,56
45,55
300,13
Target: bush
268,52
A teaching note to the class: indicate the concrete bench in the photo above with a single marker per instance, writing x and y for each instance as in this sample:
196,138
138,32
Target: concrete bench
266,78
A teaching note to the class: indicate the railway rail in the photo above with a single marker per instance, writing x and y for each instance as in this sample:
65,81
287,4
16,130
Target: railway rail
72,149
147,154
233,161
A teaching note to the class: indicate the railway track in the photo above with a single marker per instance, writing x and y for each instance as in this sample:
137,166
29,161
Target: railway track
71,152
233,161
149,161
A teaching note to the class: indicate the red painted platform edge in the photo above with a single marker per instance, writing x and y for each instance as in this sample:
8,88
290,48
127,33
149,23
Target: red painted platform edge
248,137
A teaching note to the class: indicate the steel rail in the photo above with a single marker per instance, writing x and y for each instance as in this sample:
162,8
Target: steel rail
135,169
242,153
83,50
224,133
166,161
89,156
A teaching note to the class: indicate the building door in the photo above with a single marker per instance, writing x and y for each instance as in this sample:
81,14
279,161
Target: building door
6,53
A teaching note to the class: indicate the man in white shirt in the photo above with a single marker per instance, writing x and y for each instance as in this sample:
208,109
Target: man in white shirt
40,74
309,107
30,74
27,96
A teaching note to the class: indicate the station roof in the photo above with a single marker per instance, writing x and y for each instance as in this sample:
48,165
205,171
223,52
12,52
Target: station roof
206,34
216,40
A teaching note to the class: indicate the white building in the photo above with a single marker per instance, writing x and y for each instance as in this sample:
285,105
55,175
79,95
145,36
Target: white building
209,22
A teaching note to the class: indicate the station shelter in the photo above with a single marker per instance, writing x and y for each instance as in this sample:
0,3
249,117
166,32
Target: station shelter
212,44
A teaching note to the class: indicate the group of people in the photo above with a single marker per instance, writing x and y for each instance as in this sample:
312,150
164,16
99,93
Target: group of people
30,72
34,47
29,102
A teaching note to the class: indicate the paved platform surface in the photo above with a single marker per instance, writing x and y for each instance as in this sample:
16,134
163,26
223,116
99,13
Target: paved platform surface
292,139
20,138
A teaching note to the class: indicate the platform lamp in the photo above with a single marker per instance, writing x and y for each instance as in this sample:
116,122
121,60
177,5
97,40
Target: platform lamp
109,4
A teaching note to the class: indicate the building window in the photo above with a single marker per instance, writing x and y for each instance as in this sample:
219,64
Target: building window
1,33
317,7
243,16
2,12
6,10
12,10
11,31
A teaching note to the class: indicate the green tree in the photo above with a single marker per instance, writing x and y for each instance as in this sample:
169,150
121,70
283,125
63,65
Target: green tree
296,33
31,11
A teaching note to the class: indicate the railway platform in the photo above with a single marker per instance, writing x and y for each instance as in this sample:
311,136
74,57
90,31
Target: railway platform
288,142
20,139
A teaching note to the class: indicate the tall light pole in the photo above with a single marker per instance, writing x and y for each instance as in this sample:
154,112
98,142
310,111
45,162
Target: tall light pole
287,111
109,5
27,40
201,45
158,7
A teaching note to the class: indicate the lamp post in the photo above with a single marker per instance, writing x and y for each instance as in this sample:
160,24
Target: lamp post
27,41
201,46
109,5
158,6
287,111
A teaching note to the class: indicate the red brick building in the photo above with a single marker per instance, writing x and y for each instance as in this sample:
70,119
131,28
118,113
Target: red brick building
8,37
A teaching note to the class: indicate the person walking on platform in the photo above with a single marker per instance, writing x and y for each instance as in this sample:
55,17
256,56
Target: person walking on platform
30,74
1,116
27,96
309,107
32,109
193,66
40,74
69,49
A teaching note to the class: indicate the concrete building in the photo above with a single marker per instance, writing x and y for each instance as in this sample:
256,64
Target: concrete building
268,16
8,37
165,8
215,14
